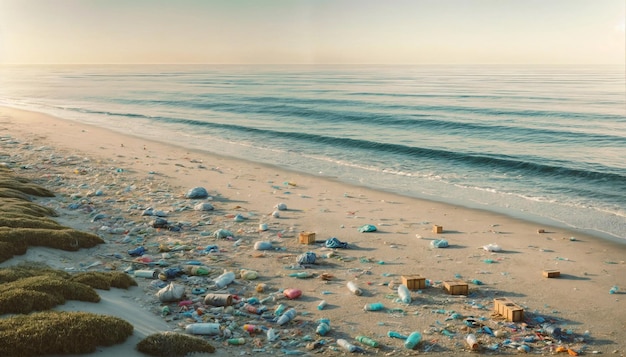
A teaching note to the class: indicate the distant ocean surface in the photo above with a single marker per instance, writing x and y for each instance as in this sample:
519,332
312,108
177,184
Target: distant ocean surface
542,143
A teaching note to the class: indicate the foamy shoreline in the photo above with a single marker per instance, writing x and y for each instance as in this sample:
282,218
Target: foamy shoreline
331,209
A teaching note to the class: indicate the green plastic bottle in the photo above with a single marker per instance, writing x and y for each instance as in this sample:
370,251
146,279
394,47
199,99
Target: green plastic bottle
367,341
236,341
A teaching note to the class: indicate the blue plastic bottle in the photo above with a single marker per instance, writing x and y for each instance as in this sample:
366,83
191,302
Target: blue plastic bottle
374,306
413,340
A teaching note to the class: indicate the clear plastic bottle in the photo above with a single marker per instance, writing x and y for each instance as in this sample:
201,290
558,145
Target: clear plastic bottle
472,342
287,316
404,294
203,328
223,280
354,288
272,335
413,340
347,345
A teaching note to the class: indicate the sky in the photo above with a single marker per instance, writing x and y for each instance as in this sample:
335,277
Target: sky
313,31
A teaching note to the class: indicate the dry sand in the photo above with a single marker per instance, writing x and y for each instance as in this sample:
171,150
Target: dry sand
119,176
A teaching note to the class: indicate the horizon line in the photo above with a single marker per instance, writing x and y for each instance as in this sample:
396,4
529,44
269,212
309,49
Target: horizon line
307,64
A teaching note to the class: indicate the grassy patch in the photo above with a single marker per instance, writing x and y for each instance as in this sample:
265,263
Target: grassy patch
52,332
105,280
172,344
24,223
36,287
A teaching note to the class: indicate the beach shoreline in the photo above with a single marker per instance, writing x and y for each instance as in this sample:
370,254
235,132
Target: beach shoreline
135,173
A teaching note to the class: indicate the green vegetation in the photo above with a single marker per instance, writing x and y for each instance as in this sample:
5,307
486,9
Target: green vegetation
24,223
52,332
172,344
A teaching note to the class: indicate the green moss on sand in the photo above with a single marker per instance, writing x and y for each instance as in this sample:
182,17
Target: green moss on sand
53,332
34,287
171,344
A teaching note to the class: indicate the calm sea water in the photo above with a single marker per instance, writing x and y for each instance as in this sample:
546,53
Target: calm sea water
544,143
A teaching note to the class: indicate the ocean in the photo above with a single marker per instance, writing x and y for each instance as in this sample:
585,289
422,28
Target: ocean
542,143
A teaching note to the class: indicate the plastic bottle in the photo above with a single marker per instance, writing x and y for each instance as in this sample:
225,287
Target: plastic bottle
223,280
203,328
377,306
236,341
552,330
148,274
413,340
250,328
252,309
263,245
287,316
292,293
354,288
301,275
279,309
472,342
404,293
322,329
272,335
322,305
367,341
248,274
395,334
347,345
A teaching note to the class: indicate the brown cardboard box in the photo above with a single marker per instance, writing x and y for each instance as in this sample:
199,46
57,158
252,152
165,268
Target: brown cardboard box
508,309
551,273
307,238
513,312
437,229
414,282
455,287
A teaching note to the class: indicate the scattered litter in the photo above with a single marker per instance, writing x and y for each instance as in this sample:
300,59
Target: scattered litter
439,243
492,247
367,228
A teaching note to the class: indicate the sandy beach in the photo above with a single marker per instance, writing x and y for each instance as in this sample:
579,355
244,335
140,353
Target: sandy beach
113,179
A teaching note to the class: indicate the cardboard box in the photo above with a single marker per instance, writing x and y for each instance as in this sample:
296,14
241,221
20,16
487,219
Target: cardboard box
498,305
414,282
513,312
508,309
455,287
307,238
437,229
551,273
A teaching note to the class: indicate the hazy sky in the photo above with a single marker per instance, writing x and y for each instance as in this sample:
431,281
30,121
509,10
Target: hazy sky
309,31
